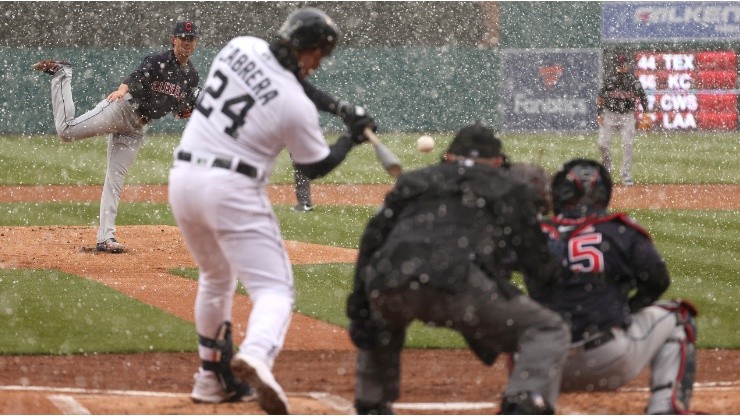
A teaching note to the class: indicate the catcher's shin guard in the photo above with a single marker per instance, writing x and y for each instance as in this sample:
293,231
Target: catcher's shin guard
220,364
686,314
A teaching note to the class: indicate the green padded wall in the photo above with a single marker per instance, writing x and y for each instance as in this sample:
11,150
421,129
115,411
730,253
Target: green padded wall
404,88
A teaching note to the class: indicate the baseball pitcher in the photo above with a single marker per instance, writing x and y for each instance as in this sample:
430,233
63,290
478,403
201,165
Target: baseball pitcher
616,106
163,83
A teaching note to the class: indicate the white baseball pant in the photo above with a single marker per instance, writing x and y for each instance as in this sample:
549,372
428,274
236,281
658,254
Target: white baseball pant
230,228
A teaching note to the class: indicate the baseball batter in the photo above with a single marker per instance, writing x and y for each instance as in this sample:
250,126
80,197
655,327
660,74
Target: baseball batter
436,251
163,83
616,106
252,107
613,276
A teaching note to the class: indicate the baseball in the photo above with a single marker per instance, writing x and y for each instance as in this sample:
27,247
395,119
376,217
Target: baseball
425,144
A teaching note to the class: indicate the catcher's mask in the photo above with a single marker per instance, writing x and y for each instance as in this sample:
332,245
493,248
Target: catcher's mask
309,28
580,188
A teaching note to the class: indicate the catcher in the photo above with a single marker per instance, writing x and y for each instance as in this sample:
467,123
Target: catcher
437,251
612,277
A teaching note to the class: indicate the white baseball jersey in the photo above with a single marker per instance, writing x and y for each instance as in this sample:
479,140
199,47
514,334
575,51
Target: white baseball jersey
251,107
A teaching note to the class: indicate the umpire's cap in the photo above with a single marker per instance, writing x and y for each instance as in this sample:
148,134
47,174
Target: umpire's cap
476,140
309,28
185,28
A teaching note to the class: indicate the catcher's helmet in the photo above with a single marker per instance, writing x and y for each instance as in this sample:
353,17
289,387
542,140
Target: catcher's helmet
309,28
580,188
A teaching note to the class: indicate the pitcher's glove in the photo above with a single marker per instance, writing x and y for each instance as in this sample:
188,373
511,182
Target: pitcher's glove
645,122
356,119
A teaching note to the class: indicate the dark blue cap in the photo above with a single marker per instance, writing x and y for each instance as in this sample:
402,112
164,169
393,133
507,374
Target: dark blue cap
185,28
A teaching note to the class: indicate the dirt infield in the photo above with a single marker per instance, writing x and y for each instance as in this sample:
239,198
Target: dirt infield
726,197
317,366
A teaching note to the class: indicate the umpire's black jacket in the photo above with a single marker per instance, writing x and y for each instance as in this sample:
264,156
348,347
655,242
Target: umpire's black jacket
438,220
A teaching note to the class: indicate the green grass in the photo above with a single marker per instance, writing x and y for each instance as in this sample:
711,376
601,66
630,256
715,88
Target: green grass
48,312
82,213
700,247
338,226
703,257
697,157
321,292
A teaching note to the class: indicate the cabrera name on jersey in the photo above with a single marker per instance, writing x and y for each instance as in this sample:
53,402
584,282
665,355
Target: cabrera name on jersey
246,69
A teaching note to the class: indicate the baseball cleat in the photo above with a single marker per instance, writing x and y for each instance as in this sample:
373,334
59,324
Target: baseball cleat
627,182
303,208
110,245
208,389
49,66
254,372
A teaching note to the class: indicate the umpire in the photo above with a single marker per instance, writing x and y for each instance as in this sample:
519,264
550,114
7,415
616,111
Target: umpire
436,251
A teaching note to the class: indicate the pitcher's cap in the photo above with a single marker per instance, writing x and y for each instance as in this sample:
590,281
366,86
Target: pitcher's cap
185,28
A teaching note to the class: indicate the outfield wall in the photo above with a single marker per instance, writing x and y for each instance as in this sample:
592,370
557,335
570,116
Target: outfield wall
404,88
416,66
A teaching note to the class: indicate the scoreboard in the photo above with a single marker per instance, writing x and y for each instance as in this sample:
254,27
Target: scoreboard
689,90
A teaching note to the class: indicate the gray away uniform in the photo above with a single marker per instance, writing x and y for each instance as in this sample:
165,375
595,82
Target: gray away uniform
160,85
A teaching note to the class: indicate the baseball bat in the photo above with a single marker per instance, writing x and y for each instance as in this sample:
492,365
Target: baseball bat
388,160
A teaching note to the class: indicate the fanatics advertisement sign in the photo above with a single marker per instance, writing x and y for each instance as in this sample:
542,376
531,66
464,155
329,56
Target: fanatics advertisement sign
549,89
670,21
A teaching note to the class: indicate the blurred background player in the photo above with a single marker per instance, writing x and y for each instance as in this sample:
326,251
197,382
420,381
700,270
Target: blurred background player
252,107
353,116
436,252
616,105
613,275
163,83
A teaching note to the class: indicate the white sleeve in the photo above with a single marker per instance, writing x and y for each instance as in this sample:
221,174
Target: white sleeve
303,136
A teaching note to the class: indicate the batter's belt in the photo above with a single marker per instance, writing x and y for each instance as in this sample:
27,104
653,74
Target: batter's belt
241,167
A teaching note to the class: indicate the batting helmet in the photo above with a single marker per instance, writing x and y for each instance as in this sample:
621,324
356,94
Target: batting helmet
309,28
580,188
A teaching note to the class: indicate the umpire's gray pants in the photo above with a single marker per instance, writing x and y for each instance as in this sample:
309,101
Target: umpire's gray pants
126,135
479,313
